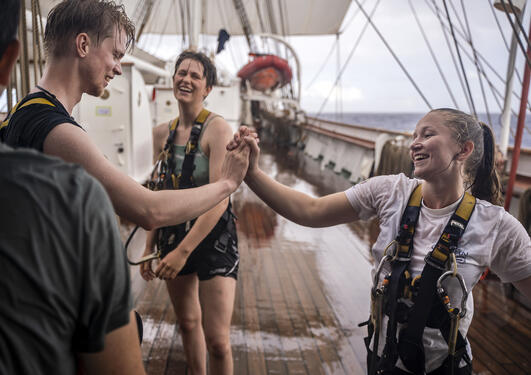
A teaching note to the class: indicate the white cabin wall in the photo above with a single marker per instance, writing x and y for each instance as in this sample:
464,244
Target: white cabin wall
120,125
223,100
141,135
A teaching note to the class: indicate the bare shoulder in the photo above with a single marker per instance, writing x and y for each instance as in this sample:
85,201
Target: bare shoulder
218,127
161,131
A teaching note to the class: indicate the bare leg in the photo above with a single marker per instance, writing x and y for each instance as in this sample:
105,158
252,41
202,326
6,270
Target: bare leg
184,295
217,302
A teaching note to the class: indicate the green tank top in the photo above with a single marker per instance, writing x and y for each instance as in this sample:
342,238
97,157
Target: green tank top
200,175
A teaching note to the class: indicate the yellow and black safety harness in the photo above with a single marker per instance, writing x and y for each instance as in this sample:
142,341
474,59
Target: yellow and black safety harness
164,177
421,301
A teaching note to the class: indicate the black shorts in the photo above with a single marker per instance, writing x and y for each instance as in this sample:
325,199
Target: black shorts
210,260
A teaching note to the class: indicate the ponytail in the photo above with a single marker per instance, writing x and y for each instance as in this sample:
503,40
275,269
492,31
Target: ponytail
480,175
486,183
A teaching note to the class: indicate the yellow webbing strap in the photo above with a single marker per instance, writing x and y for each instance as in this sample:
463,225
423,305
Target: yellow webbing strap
464,211
201,118
441,251
174,123
414,201
29,102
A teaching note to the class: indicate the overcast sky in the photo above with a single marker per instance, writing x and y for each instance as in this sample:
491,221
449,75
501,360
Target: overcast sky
373,81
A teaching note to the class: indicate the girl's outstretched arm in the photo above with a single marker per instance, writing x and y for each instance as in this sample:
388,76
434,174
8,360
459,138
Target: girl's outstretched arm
292,204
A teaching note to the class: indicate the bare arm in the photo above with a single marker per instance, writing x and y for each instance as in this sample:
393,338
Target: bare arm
147,208
121,354
524,286
214,140
296,206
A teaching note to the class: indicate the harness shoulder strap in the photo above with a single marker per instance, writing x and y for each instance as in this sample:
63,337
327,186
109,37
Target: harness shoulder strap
24,103
185,179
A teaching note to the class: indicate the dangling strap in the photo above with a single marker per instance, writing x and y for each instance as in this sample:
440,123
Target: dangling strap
398,267
411,350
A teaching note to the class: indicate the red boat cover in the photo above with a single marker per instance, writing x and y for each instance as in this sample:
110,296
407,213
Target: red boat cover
266,72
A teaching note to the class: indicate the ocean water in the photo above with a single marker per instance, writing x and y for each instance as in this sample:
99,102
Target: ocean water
408,121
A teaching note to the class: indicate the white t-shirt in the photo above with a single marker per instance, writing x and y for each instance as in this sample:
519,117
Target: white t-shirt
493,239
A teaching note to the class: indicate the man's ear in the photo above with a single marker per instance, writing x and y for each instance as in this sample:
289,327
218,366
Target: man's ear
83,44
8,60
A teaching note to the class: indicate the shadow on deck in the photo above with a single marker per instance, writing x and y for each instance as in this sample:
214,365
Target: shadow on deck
302,292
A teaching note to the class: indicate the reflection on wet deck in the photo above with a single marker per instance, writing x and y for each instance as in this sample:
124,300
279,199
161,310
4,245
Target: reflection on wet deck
302,292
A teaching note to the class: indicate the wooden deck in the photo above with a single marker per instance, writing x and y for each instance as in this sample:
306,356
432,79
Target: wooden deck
302,292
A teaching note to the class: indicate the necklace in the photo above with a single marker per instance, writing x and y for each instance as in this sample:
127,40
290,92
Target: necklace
46,91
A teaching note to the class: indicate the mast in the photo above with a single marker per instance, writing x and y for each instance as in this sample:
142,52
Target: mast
506,113
519,130
195,7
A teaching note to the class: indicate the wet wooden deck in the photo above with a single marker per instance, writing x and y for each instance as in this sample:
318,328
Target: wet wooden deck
302,292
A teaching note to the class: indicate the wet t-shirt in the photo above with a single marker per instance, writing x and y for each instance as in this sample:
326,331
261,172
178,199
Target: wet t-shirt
493,239
64,282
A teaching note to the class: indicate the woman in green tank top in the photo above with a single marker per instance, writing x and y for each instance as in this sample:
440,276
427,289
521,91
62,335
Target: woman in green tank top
200,274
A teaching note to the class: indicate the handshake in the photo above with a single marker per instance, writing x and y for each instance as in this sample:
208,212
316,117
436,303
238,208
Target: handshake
241,159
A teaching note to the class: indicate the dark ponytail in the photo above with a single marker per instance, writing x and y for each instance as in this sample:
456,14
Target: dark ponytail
486,183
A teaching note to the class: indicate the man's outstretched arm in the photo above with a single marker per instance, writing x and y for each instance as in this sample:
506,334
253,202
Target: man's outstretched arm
134,202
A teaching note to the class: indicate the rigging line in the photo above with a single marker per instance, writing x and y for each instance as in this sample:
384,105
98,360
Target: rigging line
394,55
444,32
434,57
518,75
326,60
476,61
332,49
165,27
183,26
516,33
260,19
459,57
518,21
459,20
445,29
437,12
347,24
348,58
156,9
498,24
286,18
281,15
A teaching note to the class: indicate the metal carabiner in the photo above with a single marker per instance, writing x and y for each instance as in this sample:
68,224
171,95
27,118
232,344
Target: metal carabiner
464,290
385,258
154,255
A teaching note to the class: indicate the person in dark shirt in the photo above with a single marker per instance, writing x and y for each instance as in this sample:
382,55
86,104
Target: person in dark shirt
65,292
84,42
